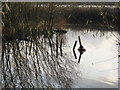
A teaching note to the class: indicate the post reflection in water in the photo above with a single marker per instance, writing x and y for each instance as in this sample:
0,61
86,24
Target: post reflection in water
100,58
81,52
41,61
38,50
80,49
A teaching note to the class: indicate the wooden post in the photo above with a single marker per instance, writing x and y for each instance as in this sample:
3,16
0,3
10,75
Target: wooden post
56,44
79,57
74,45
79,40
61,47
74,54
74,49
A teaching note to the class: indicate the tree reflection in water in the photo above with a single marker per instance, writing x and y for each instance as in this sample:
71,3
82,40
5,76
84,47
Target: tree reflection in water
32,62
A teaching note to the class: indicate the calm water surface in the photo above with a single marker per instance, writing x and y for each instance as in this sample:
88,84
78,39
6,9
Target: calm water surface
100,61
98,65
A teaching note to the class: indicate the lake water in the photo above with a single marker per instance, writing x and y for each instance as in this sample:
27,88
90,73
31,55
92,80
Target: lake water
100,60
98,66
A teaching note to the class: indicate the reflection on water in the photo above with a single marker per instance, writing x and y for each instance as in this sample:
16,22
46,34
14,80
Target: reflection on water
81,49
100,61
41,61
33,62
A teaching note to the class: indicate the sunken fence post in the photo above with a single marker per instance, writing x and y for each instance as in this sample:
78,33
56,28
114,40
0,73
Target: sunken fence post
57,45
81,48
74,54
74,45
79,57
61,47
74,49
79,40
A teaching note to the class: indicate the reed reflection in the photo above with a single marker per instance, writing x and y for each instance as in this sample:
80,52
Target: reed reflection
33,61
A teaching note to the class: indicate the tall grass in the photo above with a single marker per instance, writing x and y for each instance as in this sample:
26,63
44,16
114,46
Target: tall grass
33,17
19,18
93,16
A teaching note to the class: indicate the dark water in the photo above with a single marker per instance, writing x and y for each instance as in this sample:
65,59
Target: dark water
35,64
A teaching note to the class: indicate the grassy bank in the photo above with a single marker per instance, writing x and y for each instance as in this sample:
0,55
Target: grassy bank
105,16
28,18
